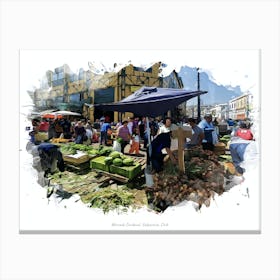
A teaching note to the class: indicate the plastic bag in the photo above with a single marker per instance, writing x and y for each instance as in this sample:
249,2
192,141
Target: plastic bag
215,137
117,146
149,176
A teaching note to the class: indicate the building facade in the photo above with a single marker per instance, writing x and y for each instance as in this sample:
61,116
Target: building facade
240,107
65,90
220,111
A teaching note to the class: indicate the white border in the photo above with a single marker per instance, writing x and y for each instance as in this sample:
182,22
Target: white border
233,212
196,24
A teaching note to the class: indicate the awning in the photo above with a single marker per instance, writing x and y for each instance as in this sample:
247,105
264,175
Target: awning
151,101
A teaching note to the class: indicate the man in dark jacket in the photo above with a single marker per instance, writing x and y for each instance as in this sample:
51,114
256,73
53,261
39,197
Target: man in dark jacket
49,157
162,141
80,133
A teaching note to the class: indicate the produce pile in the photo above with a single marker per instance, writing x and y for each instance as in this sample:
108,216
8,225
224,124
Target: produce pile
108,199
203,179
118,159
225,139
206,176
96,191
65,184
72,148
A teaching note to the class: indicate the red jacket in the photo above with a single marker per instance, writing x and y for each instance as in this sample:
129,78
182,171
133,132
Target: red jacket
245,134
44,126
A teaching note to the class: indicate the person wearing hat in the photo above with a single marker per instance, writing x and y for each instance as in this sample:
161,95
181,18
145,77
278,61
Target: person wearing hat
210,135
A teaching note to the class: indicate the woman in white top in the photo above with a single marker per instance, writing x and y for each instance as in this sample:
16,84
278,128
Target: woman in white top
167,126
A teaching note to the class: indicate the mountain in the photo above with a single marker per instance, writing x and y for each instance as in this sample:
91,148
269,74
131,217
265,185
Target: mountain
217,94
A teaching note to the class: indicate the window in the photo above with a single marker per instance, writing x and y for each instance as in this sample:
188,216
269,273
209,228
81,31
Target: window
75,98
73,78
60,75
81,74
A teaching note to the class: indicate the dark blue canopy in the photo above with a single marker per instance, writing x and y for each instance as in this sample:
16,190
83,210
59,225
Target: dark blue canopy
151,101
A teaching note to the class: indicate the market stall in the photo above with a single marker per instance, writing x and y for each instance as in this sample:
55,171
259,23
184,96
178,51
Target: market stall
111,180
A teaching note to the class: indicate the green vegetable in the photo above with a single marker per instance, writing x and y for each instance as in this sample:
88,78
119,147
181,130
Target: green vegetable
225,158
128,161
119,140
226,137
122,156
92,152
108,160
82,147
115,154
109,199
117,162
67,150
104,150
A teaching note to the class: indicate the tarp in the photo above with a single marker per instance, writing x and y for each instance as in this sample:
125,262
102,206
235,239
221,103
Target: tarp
67,113
151,101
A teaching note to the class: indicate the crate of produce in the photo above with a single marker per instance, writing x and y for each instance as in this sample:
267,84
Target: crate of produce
129,172
99,163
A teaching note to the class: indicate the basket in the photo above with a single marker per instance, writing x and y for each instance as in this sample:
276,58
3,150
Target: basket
219,148
41,136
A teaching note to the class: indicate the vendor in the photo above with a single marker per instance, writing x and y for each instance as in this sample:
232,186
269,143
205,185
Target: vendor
210,135
50,158
197,134
162,141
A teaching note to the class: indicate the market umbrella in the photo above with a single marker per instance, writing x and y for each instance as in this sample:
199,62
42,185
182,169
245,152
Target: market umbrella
51,116
66,113
151,101
59,114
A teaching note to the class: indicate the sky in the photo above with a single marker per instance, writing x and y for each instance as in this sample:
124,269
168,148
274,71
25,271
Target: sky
225,67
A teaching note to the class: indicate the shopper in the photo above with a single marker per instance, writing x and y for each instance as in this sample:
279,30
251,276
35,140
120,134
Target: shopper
124,134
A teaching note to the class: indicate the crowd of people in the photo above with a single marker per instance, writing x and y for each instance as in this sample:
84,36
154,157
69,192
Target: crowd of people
135,131
78,131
